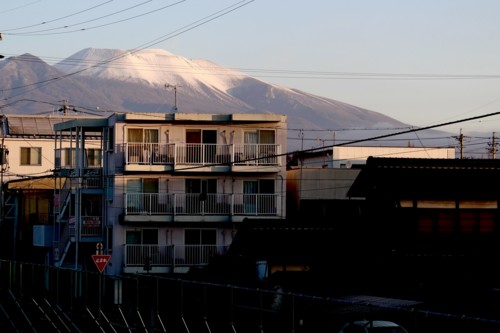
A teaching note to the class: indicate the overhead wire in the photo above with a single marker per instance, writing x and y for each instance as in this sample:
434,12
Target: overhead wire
41,32
189,27
6,31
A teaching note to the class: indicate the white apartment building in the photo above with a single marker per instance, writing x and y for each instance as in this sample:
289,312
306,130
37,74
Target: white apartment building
169,190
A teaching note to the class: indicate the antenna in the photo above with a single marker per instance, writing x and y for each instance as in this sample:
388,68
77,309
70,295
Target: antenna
173,86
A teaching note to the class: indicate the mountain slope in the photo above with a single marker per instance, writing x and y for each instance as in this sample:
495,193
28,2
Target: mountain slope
155,80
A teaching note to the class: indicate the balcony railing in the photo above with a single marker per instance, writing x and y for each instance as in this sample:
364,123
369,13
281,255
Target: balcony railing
202,154
171,255
257,154
91,226
149,153
201,204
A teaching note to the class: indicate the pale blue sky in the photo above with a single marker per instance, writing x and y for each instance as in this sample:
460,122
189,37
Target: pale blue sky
423,62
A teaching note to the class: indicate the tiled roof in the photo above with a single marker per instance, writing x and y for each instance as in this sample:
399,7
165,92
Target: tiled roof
461,177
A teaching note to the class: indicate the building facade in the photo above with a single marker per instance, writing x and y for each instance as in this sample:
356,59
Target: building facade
318,181
27,191
168,191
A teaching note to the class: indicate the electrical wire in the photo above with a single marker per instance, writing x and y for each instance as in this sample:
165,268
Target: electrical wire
207,19
54,20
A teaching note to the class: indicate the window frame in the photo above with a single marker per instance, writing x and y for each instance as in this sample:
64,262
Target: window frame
27,160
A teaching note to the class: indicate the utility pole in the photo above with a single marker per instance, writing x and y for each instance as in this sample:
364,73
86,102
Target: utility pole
460,139
173,86
1,37
65,107
493,146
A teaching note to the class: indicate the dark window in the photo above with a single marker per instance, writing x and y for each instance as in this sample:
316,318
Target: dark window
200,237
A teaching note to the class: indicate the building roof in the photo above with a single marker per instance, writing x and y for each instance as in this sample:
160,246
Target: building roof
35,125
35,183
432,177
279,240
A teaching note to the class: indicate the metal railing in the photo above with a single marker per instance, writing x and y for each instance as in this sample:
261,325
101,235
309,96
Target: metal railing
257,154
149,153
171,255
202,154
201,204
91,226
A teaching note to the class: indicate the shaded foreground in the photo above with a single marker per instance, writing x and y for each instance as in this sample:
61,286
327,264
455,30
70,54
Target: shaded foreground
36,298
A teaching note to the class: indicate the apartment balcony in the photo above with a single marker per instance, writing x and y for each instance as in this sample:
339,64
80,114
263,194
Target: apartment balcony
170,207
154,157
90,229
257,158
140,258
202,157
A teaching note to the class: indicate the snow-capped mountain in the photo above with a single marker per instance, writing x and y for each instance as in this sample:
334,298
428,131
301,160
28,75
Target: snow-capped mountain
154,80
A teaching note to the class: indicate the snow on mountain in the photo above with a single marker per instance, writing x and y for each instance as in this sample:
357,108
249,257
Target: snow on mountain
154,66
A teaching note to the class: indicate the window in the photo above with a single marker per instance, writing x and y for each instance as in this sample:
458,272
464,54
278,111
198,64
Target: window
200,237
142,195
69,157
259,147
142,145
201,245
93,157
142,236
195,140
31,156
258,196
463,222
201,186
140,135
200,191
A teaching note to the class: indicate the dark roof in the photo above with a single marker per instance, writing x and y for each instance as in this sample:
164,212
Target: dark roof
281,240
431,177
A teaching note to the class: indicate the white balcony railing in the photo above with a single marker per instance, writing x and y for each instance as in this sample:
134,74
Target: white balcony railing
171,255
149,153
202,154
258,154
201,204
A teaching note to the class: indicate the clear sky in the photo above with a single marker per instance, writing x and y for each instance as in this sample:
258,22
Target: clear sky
423,62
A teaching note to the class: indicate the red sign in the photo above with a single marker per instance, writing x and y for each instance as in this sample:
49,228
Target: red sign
101,260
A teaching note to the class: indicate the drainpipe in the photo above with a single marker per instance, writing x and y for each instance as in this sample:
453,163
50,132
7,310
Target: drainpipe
281,195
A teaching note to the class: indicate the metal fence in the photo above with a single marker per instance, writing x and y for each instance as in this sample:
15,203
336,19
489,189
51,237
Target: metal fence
48,299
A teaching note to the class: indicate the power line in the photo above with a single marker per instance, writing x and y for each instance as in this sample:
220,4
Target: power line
59,18
189,27
43,32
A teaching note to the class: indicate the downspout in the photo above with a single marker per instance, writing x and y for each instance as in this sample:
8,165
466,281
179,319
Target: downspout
281,194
